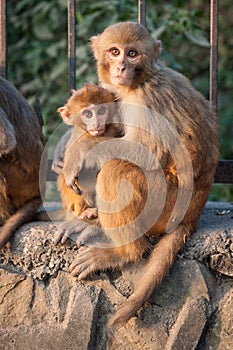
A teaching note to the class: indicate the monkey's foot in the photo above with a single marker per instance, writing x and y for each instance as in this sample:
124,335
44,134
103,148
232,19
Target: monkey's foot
90,260
67,229
89,213
81,233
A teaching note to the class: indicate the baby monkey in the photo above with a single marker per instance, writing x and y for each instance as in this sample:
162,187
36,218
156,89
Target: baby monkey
93,114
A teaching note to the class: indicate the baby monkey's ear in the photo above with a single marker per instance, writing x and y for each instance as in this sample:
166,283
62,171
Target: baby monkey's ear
72,91
65,114
94,41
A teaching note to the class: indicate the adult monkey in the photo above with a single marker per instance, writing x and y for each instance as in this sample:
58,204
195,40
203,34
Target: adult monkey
182,120
21,147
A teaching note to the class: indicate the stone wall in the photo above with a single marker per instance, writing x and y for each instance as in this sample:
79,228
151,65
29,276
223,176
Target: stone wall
43,307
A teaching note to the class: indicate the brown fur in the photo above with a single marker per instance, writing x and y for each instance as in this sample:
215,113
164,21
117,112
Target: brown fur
79,143
21,147
145,82
87,95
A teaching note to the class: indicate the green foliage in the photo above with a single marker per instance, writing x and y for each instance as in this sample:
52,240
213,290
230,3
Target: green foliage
37,53
37,49
221,193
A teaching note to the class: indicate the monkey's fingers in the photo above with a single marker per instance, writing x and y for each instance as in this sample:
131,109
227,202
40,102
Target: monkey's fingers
60,237
89,213
75,188
92,236
69,230
57,166
84,264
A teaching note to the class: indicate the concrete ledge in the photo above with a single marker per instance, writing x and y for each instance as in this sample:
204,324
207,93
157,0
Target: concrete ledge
43,307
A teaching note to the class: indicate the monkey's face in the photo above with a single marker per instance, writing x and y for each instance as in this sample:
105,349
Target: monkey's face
94,118
125,53
124,65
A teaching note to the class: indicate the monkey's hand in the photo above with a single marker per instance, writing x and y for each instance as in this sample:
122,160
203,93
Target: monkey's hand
72,182
89,213
70,173
57,165
81,233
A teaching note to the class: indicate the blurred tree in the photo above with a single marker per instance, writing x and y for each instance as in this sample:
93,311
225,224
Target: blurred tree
37,50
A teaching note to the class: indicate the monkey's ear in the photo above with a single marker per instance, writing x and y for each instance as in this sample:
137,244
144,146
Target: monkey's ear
157,47
64,113
94,40
72,91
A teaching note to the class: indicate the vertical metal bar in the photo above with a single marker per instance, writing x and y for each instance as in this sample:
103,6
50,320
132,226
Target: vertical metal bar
3,40
142,12
214,52
72,44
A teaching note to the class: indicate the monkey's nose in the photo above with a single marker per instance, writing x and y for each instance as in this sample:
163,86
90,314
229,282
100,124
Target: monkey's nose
121,68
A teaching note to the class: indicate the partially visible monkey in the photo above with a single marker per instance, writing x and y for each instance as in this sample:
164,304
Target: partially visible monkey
127,63
92,112
21,147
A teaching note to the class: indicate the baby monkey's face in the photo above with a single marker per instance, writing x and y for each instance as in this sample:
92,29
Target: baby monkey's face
95,118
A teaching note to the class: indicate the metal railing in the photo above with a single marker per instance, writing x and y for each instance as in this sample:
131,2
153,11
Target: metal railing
3,40
224,171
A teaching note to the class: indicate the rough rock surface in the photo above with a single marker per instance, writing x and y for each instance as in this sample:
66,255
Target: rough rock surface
43,307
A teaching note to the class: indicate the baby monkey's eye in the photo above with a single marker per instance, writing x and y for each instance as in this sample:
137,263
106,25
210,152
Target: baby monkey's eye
102,110
87,113
115,51
132,53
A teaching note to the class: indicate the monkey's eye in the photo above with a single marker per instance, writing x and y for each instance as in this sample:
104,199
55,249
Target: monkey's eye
132,54
87,113
102,110
114,51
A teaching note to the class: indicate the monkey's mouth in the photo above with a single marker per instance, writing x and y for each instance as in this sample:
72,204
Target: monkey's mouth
95,132
119,80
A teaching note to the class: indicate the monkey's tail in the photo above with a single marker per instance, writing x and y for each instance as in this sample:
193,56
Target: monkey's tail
161,259
23,215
